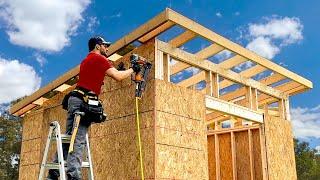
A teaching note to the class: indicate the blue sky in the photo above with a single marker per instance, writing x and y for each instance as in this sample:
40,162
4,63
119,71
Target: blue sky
41,40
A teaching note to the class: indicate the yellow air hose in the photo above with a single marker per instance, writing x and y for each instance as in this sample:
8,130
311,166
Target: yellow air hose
139,137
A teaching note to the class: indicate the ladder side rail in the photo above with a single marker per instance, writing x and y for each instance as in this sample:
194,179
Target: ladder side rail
45,155
90,174
60,152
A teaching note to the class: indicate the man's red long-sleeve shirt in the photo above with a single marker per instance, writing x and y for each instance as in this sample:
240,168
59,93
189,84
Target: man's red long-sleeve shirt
92,71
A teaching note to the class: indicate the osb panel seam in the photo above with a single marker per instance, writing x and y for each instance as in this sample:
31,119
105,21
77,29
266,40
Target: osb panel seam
122,132
178,115
185,132
119,117
200,150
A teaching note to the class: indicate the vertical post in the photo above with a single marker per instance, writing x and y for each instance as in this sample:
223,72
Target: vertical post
159,65
249,103
255,99
287,106
251,154
216,146
215,85
209,85
234,157
263,152
281,109
166,67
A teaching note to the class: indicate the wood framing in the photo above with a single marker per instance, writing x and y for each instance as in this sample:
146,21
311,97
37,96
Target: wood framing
232,109
164,21
208,34
200,63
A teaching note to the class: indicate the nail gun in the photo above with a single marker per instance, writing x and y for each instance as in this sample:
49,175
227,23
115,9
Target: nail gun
140,77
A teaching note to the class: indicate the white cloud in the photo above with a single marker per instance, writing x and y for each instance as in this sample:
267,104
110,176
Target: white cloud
43,25
306,122
93,22
289,30
16,80
219,14
264,47
40,59
237,13
117,15
268,38
193,70
223,55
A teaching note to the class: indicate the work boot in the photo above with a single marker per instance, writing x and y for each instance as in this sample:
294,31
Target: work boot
53,175
71,178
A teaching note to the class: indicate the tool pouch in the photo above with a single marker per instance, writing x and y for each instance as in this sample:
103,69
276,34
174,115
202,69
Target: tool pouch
91,106
93,111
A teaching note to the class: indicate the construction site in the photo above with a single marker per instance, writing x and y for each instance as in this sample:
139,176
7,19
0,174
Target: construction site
199,118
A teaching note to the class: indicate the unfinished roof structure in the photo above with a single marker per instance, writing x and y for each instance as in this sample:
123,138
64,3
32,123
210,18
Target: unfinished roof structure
198,111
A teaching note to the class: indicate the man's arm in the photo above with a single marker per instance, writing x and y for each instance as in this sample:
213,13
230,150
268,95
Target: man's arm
119,75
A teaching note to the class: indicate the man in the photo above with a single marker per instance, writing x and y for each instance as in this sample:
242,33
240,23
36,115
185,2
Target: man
92,71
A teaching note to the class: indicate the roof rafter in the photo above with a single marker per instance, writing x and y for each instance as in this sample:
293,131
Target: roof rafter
214,37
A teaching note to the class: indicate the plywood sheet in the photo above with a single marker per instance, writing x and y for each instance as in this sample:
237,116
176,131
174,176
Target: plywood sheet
180,131
117,155
173,99
31,128
180,163
29,172
225,156
257,161
30,151
242,155
211,158
279,147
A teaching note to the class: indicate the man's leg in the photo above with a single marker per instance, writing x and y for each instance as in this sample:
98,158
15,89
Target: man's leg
74,159
73,106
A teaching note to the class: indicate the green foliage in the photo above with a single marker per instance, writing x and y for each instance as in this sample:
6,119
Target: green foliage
10,144
307,161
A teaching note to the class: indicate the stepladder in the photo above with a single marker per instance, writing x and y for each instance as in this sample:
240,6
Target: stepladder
55,135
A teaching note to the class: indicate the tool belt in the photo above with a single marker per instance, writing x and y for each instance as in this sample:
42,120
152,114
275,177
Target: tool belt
91,105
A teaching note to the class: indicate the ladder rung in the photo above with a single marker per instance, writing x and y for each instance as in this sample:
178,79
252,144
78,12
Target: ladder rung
64,137
56,165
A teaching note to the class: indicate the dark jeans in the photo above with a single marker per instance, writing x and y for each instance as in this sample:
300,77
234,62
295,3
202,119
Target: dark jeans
74,159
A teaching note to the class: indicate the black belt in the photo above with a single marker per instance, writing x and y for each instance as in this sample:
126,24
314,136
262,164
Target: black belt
83,94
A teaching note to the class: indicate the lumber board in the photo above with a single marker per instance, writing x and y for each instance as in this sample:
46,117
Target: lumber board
209,51
233,109
156,31
203,54
62,87
214,37
182,38
248,73
233,61
209,66
193,79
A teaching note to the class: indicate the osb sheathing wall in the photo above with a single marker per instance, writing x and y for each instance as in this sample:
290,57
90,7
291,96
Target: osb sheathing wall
280,149
173,134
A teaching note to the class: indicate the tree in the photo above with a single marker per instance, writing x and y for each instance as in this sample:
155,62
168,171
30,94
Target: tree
10,144
307,161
